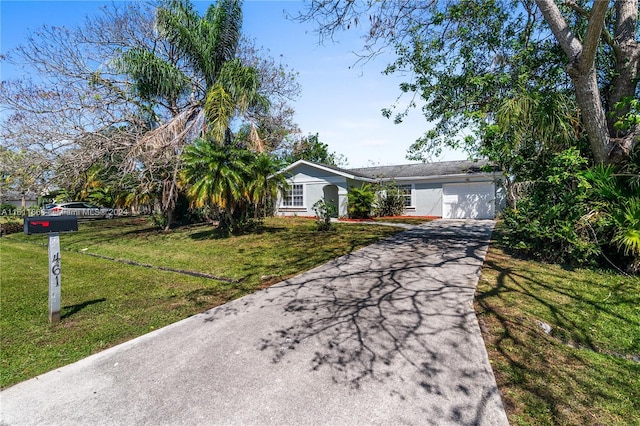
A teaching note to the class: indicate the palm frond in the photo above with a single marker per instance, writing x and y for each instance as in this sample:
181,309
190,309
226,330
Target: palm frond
153,76
549,119
219,109
256,142
627,233
216,174
225,20
164,141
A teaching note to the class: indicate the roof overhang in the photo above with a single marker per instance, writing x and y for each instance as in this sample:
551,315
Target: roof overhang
358,177
343,173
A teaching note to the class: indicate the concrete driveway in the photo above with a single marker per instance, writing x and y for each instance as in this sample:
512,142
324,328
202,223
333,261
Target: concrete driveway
385,335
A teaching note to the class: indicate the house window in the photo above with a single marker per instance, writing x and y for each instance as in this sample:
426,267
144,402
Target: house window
406,192
293,196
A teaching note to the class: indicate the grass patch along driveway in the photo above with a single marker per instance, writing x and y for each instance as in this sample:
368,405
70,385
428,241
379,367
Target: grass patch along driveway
584,369
105,302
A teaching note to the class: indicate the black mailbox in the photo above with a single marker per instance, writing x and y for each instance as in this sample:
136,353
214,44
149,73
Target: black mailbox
49,224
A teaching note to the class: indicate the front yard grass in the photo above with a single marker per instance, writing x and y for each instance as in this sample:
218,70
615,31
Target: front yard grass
106,302
586,370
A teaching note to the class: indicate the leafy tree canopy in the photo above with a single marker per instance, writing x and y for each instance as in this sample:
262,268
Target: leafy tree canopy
134,85
467,59
310,148
96,89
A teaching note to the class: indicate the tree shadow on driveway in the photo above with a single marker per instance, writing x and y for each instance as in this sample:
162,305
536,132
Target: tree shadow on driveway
398,314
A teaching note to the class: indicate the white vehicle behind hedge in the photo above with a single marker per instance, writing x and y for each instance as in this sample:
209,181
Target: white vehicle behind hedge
80,209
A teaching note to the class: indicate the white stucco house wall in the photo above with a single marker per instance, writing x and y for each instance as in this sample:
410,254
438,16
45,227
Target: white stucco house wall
452,189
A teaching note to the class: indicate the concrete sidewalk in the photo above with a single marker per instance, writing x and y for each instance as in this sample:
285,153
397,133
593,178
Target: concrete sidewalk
385,335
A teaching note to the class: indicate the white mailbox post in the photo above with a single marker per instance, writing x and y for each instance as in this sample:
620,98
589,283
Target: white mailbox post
52,225
54,277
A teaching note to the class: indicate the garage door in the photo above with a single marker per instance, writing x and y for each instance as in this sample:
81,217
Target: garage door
468,201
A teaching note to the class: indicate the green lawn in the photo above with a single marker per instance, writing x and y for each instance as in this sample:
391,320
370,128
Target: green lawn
105,302
587,370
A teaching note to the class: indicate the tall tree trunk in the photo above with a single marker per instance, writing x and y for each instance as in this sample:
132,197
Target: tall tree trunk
627,52
169,216
170,195
581,69
168,204
593,116
231,222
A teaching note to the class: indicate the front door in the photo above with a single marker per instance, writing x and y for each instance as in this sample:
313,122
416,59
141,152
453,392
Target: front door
330,194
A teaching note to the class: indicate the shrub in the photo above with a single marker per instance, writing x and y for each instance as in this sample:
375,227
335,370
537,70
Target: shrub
577,215
546,223
360,202
389,201
324,212
626,231
159,220
7,209
11,228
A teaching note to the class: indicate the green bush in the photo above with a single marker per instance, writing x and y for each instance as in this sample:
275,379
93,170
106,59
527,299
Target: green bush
360,202
615,213
324,212
544,224
626,231
389,201
7,209
11,228
577,215
159,220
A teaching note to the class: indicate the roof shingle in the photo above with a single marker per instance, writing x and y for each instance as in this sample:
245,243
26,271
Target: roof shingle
443,168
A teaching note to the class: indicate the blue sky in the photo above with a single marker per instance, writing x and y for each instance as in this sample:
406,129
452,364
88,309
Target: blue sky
340,100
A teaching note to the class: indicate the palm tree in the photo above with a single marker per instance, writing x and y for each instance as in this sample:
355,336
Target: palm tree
265,182
236,90
209,44
218,175
528,123
220,87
